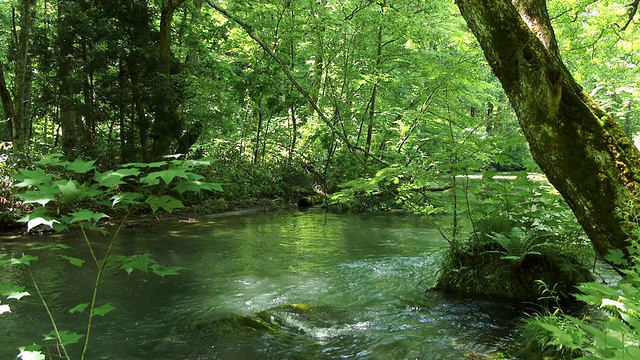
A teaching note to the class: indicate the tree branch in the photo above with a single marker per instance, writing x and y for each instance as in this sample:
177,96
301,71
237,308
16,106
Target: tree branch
632,12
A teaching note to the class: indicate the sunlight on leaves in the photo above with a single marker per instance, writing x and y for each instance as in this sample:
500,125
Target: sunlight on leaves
4,309
617,304
125,198
18,295
32,223
31,353
196,186
32,178
36,197
112,178
10,290
24,260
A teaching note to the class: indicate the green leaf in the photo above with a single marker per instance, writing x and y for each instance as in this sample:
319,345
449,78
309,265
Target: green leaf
8,289
32,178
70,190
66,338
112,178
163,270
616,257
125,198
24,260
167,203
73,260
199,162
60,227
53,247
39,197
86,215
166,175
146,165
54,159
103,310
79,308
80,166
196,186
135,262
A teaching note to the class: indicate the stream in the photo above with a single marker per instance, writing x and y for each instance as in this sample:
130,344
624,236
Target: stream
358,281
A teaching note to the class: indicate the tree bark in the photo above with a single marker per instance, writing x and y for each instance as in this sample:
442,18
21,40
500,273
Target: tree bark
7,105
22,92
582,150
71,140
165,129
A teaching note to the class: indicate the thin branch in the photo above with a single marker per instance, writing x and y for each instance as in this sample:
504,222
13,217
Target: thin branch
51,318
632,12
96,285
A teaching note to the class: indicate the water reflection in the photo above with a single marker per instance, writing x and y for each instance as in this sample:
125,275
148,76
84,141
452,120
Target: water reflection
362,279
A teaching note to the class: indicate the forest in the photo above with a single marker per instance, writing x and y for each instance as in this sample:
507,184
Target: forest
508,126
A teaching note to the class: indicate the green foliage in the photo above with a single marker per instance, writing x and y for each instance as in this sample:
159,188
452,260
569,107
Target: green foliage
391,188
520,232
516,245
56,192
60,187
612,332
530,204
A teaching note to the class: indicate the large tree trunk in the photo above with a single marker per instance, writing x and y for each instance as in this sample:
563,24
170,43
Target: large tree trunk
166,127
22,92
582,150
71,140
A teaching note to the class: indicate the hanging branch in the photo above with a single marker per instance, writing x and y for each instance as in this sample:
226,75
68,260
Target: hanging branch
249,30
633,9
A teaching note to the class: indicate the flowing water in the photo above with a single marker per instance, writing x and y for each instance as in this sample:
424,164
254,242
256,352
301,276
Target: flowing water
361,281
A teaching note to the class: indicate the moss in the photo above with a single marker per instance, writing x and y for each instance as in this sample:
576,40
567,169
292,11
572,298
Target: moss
480,270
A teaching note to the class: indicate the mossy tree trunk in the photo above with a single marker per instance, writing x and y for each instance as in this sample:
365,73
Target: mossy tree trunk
16,107
582,150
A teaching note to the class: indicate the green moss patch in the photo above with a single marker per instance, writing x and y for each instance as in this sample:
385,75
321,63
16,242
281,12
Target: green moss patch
485,269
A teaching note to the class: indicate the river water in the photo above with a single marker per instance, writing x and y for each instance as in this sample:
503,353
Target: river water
361,280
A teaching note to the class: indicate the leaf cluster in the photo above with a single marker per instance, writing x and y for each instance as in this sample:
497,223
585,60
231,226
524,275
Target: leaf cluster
59,187
54,185
613,332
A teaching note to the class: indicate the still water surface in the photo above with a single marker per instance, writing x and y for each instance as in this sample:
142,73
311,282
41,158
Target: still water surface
363,278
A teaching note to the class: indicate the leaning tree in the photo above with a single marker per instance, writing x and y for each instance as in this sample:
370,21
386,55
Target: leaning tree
583,151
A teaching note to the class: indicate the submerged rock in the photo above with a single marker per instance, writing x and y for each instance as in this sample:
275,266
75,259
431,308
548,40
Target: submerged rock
285,320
